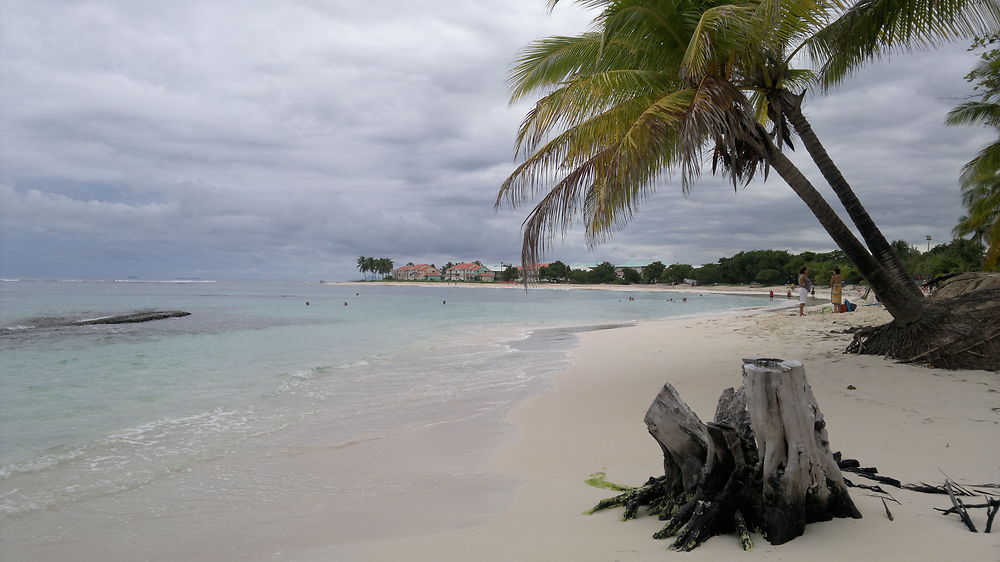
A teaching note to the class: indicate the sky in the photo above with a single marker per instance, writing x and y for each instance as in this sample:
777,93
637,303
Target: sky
283,140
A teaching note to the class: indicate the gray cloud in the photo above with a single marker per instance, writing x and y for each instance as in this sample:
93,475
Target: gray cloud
282,140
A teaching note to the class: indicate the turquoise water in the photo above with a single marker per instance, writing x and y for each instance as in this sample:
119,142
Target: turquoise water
92,411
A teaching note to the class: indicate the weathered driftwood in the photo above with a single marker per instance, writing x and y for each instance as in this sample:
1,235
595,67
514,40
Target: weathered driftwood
682,438
802,482
991,506
953,490
960,507
764,464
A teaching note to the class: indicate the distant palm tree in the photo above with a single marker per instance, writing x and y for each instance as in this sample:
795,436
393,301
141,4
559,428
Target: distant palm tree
363,264
384,266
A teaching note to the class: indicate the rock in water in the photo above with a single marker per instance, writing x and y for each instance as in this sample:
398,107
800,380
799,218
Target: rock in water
135,317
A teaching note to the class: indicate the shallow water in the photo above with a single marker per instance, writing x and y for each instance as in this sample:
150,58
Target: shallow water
256,403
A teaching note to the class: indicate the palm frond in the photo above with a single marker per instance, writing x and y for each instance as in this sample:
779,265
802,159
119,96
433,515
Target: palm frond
557,209
552,60
873,29
975,113
983,168
719,30
583,98
574,146
647,151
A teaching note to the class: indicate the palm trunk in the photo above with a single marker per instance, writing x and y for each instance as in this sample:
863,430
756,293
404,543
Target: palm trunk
880,248
897,300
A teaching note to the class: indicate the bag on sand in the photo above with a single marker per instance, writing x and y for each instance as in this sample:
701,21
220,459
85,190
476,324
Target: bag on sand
849,306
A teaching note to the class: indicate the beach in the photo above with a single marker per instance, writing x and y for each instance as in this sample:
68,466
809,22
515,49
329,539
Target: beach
463,447
912,422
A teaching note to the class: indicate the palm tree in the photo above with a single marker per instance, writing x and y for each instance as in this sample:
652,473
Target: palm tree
980,179
384,266
363,264
659,85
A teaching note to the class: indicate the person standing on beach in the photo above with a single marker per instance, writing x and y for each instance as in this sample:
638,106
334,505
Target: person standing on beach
836,289
804,284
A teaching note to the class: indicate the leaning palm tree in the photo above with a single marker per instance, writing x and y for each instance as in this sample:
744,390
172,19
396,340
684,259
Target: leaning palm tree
665,85
867,30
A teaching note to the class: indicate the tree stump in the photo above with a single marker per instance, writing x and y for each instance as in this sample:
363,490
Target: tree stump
801,481
764,463
682,437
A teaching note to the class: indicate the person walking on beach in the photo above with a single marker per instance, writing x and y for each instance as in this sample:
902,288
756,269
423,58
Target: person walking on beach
804,284
836,289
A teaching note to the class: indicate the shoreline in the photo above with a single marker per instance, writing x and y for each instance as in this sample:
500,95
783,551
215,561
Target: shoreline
912,422
854,291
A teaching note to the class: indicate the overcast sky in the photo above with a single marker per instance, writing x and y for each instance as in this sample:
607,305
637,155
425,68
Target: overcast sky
282,140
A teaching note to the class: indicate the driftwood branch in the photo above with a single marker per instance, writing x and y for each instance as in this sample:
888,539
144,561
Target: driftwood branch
959,508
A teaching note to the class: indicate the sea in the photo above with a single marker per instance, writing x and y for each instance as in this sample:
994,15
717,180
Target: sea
277,415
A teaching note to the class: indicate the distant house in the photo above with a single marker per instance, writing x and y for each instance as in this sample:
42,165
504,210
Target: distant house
469,272
418,272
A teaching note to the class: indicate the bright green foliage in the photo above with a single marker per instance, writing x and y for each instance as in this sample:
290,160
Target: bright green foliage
980,177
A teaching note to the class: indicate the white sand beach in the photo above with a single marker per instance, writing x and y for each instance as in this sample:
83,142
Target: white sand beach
912,422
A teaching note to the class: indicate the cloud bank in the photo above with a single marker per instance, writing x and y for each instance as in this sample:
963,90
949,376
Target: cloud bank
265,140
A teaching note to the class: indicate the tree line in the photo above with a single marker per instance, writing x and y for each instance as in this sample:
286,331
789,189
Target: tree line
775,267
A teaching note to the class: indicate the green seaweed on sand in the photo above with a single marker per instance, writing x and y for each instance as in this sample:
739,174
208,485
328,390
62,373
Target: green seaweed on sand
598,480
